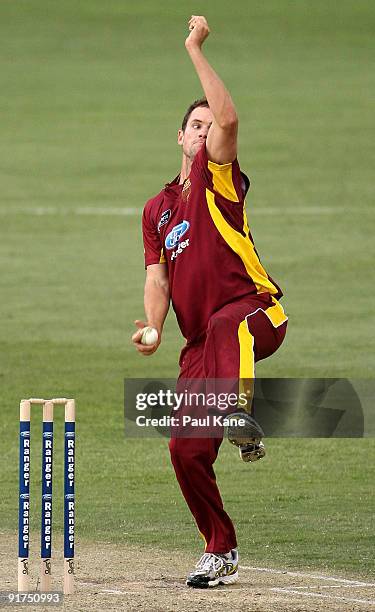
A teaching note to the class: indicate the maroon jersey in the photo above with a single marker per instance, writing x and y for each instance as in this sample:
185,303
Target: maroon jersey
199,229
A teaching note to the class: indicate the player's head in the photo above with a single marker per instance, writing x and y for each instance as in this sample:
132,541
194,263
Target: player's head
194,128
202,102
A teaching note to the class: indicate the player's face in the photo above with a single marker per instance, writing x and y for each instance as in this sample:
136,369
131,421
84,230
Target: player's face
196,131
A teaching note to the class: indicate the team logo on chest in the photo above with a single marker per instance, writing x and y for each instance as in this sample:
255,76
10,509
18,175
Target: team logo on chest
186,190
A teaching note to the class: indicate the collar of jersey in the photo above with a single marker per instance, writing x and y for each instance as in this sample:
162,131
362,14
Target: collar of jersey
175,184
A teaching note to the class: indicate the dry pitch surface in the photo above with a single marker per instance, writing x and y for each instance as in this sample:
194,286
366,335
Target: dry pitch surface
111,577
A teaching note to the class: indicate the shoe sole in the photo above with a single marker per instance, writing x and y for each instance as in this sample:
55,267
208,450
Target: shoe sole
214,583
255,456
231,579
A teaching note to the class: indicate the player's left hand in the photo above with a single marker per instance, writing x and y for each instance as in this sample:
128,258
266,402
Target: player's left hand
199,31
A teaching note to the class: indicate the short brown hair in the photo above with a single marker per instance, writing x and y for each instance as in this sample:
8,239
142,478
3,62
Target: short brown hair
196,104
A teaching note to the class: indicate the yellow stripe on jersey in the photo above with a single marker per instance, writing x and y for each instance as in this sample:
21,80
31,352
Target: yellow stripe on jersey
245,223
276,313
242,246
223,181
246,340
162,257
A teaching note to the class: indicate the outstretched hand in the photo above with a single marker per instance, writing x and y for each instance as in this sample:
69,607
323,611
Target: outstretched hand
199,31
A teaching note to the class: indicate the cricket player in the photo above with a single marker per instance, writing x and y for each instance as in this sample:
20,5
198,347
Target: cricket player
200,255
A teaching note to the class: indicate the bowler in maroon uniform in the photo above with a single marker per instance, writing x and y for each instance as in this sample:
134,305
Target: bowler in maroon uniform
200,255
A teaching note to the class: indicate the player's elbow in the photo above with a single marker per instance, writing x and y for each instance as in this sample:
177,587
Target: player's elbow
229,121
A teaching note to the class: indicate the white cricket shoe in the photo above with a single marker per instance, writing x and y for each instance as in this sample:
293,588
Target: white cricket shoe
214,569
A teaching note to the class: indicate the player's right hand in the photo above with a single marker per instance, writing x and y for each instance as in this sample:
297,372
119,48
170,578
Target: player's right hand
144,349
199,31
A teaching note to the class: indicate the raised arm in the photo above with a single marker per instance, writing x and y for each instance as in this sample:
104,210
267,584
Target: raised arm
222,136
156,302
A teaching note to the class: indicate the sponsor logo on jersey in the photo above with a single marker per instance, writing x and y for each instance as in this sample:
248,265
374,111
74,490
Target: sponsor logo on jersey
175,235
164,218
182,245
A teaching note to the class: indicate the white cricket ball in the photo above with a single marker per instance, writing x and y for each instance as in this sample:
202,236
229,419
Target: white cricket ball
149,335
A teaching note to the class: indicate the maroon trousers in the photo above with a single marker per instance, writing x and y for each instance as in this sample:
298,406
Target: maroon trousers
237,336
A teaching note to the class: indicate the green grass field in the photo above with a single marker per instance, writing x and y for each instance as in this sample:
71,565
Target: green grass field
92,95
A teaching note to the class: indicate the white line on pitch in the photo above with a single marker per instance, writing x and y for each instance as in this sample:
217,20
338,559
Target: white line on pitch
110,211
115,592
370,602
296,210
113,211
330,586
41,211
306,575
